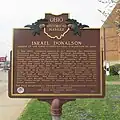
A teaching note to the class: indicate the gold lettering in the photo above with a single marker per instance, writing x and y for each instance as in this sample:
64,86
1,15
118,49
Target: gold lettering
56,19
67,43
40,43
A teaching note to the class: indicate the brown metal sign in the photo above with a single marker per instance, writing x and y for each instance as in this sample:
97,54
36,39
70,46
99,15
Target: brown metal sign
56,63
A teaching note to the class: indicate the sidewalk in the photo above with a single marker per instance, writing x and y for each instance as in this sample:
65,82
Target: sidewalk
11,108
113,82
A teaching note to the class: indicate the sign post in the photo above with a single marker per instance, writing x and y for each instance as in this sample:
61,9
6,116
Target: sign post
56,60
56,109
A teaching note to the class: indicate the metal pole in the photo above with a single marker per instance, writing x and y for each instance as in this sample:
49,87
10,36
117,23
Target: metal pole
55,118
56,109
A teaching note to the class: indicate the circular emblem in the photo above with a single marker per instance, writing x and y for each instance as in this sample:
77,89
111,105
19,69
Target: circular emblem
20,90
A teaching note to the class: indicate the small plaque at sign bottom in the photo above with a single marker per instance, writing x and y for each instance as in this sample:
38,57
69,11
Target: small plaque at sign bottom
20,90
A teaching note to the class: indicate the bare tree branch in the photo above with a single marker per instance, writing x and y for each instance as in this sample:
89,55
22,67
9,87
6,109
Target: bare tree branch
108,9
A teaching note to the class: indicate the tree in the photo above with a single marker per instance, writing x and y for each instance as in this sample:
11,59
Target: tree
109,4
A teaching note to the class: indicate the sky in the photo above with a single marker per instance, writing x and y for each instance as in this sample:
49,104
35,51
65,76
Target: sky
18,13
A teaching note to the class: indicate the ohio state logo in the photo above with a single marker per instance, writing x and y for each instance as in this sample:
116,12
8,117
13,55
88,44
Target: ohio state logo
56,27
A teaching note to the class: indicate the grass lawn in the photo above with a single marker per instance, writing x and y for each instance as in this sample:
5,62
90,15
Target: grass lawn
107,108
113,78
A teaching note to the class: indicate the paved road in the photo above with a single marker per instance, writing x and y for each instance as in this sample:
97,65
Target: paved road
10,108
3,81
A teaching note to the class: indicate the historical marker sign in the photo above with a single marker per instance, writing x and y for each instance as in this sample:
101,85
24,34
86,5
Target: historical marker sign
57,60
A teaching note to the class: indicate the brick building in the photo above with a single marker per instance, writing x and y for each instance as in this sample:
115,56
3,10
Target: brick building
110,39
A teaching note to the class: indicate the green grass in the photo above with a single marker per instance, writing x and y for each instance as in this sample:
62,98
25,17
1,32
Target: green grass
36,110
107,108
113,78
